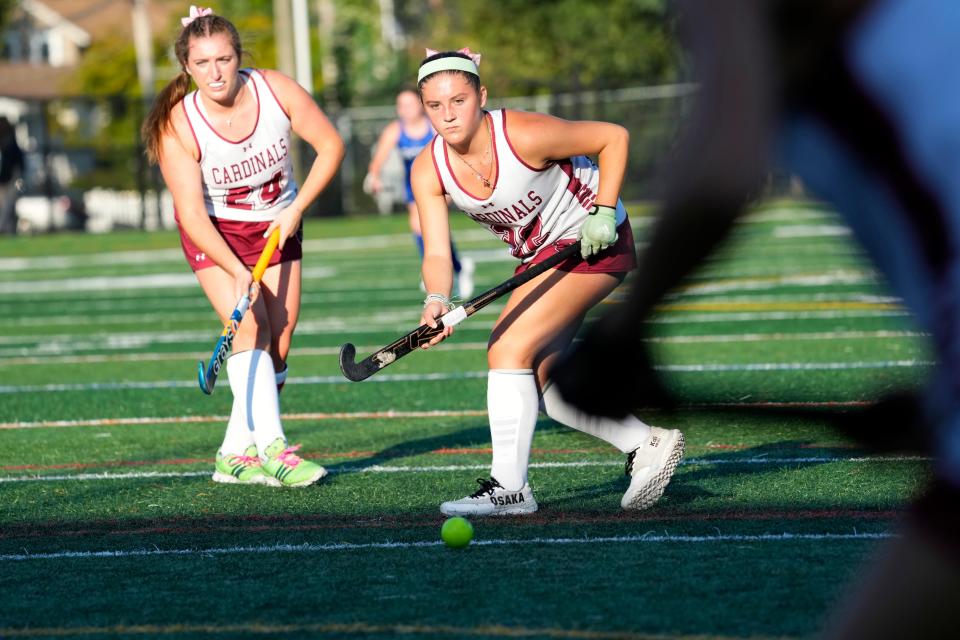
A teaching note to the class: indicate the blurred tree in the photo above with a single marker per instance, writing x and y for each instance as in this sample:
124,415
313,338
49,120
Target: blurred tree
369,67
534,46
5,7
531,46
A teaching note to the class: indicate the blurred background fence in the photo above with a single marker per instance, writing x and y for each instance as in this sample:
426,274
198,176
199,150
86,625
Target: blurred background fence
78,178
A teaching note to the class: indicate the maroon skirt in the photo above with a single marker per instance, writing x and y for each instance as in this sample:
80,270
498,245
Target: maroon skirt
620,257
246,241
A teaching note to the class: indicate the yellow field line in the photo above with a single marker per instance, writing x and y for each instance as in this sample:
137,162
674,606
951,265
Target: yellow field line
359,628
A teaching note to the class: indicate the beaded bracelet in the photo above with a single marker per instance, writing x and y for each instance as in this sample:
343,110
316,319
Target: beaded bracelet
438,297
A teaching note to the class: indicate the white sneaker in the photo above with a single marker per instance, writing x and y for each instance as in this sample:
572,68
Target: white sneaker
465,278
492,500
650,467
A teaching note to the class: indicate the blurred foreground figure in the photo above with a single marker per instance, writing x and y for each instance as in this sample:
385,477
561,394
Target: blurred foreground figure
860,99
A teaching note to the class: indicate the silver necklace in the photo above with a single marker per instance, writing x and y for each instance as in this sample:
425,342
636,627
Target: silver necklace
485,181
236,106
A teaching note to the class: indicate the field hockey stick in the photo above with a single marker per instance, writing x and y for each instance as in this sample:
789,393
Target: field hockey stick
357,371
207,376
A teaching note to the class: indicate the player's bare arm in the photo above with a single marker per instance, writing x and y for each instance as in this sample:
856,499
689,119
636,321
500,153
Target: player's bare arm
386,143
310,123
435,226
541,139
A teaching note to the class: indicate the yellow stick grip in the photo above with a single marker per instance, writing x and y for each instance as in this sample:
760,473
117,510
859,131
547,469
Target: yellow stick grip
264,259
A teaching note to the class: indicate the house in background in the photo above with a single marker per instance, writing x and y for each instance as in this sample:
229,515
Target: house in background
41,47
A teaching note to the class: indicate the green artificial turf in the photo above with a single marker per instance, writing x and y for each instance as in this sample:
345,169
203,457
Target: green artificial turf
110,526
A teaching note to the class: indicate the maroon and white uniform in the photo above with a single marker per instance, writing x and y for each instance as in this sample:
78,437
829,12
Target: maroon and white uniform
248,181
533,209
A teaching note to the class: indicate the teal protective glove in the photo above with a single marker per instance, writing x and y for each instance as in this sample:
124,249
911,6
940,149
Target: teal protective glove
598,231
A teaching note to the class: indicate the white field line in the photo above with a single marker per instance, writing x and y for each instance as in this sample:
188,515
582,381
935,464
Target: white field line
787,214
464,375
789,337
811,231
187,280
705,288
60,344
755,316
794,366
67,343
358,415
810,299
214,419
183,280
189,384
119,258
841,276
407,317
352,243
646,538
453,468
347,243
199,309
459,346
193,355
408,314
194,300
116,282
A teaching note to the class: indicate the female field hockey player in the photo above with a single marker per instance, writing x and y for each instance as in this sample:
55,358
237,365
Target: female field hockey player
526,177
224,152
409,134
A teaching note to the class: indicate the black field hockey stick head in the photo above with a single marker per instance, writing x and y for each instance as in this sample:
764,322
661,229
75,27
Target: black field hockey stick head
357,371
350,369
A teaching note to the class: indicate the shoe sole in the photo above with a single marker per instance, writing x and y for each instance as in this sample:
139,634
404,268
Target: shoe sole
509,511
648,495
226,478
304,483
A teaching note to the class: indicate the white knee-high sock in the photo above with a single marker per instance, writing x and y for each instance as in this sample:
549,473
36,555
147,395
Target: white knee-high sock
512,405
238,436
253,382
625,434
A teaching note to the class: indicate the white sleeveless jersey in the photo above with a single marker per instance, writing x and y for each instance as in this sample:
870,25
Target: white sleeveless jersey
529,208
250,179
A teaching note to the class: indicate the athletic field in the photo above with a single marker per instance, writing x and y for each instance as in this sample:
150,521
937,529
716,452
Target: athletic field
110,526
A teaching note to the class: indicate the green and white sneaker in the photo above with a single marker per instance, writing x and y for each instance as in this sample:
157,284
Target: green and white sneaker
241,469
492,500
283,465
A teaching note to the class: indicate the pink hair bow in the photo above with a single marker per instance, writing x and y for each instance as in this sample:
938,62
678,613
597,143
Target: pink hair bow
473,56
196,12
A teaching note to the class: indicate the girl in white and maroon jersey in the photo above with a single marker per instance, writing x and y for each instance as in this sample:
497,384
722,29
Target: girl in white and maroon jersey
527,177
224,151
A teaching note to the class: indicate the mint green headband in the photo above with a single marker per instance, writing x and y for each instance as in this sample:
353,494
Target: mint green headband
451,63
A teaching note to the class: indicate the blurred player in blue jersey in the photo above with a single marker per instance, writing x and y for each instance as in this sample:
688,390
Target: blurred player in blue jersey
409,134
861,99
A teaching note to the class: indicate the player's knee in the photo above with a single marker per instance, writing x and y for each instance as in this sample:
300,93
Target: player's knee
503,352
